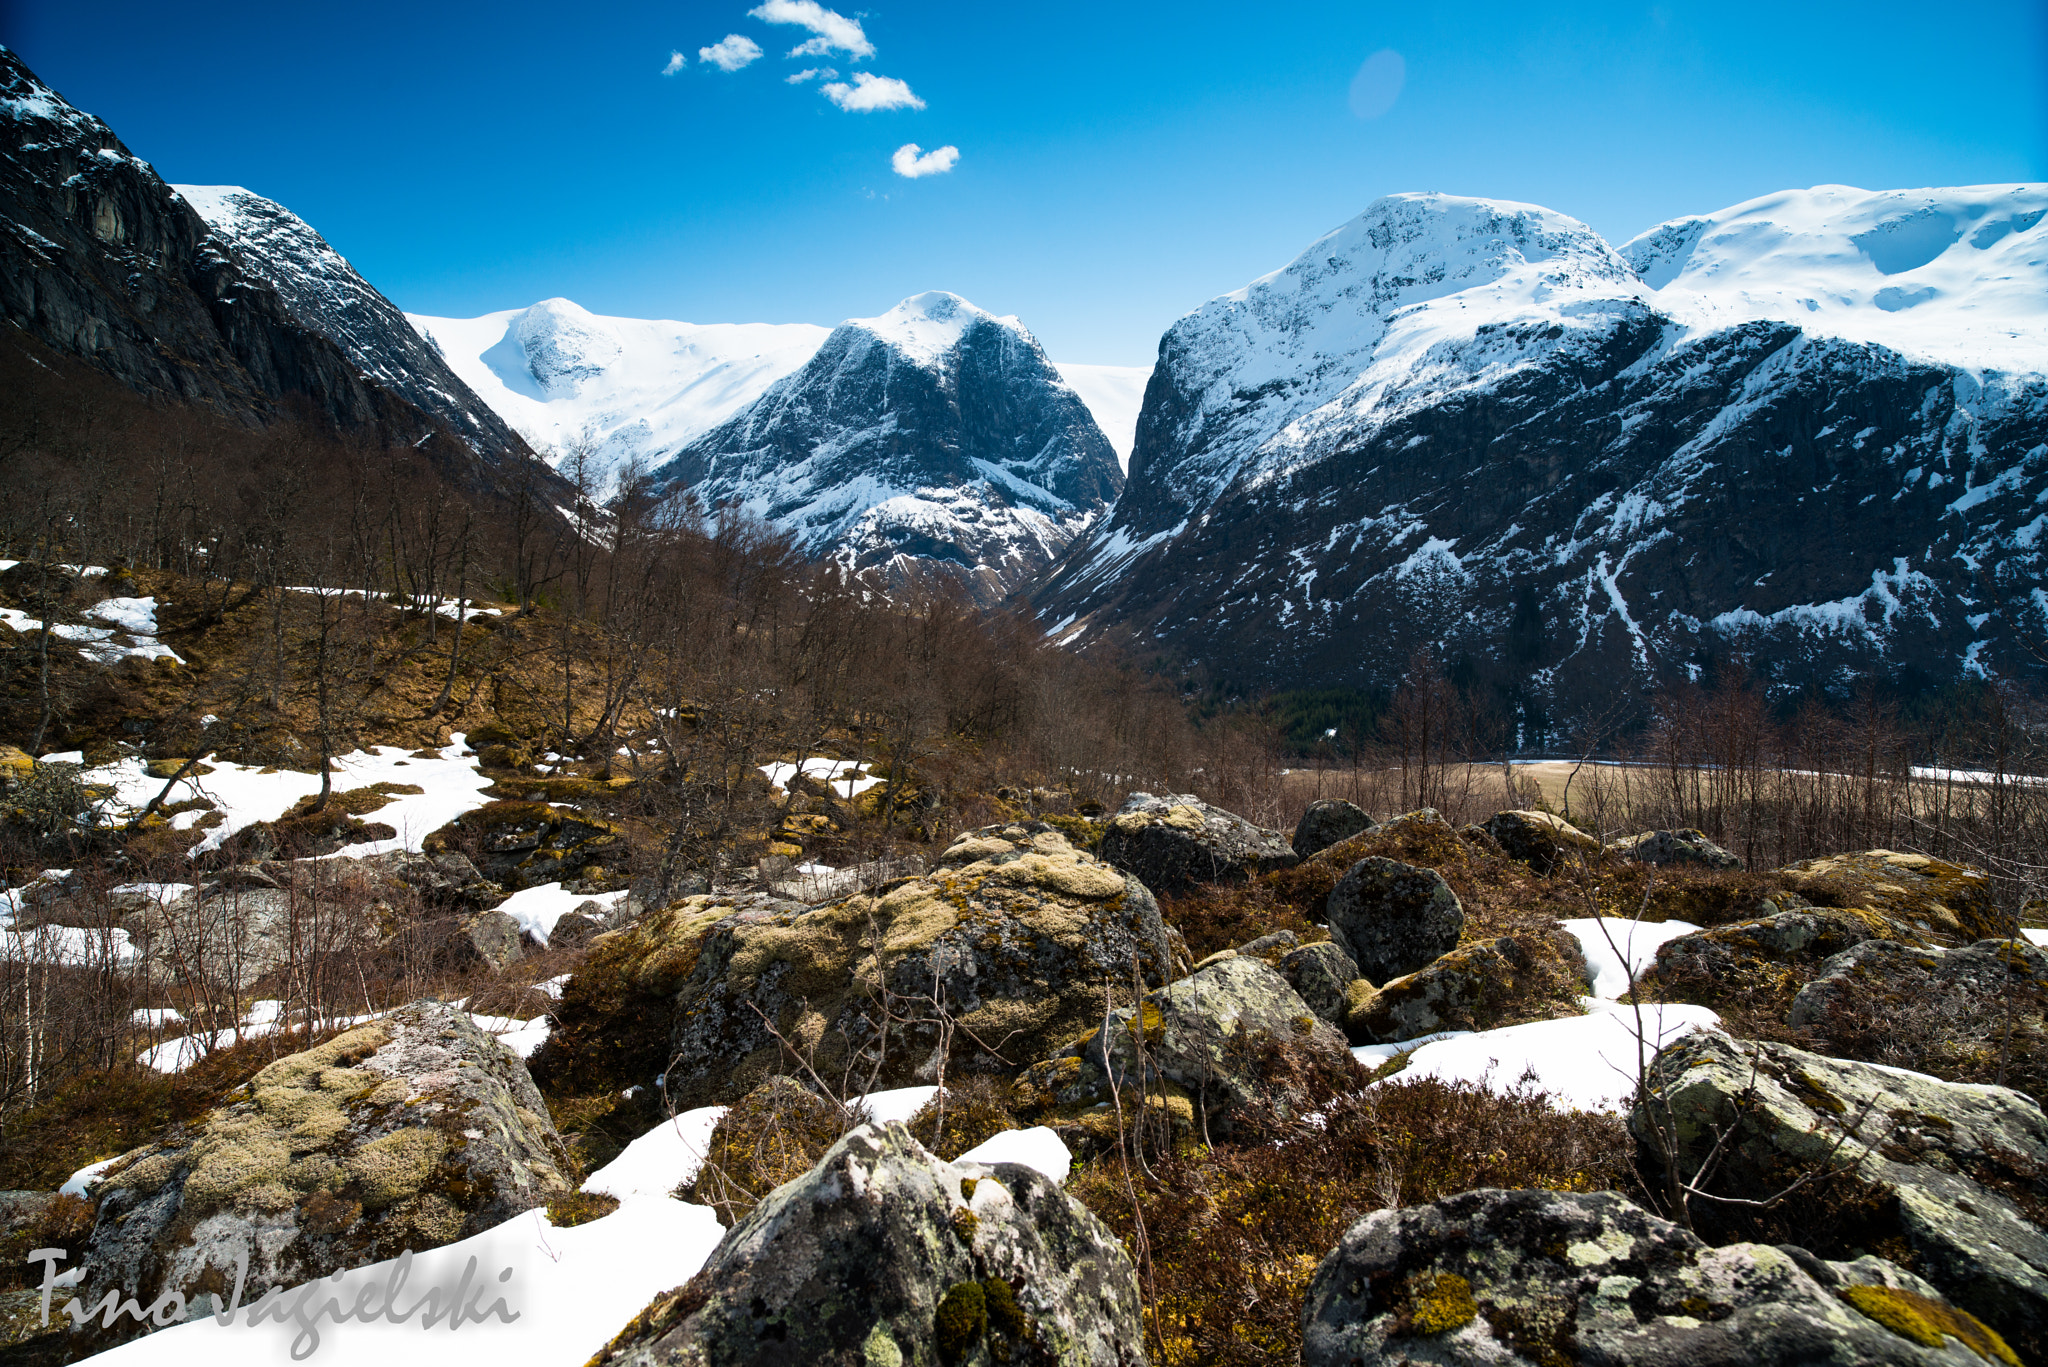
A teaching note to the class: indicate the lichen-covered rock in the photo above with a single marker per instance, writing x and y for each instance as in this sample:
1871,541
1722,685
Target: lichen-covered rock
1225,1042
1325,823
1539,839
885,1254
1393,918
1760,963
1886,976
1319,974
526,844
1915,895
1506,1277
410,1132
1477,986
1666,848
497,938
238,931
1176,842
1015,933
1955,1171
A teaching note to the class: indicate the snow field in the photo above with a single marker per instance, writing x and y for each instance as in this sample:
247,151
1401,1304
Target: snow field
842,776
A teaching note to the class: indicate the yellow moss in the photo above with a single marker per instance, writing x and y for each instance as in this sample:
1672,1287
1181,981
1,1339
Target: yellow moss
970,849
393,1166
1444,1305
231,1159
1090,882
1926,1322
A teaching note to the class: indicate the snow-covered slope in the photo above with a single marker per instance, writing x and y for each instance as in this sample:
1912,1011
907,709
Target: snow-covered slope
326,296
1813,427
639,387
1114,394
935,434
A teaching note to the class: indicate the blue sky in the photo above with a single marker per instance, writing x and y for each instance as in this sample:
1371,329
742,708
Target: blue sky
1117,164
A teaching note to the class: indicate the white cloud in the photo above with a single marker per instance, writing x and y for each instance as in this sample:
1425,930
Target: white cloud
731,53
835,32
870,92
936,162
676,62
810,71
1378,84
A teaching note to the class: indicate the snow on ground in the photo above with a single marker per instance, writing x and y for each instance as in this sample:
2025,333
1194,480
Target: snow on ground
1586,1063
661,1160
2039,937
537,909
1037,1147
69,945
522,1037
1113,394
134,616
1605,939
842,776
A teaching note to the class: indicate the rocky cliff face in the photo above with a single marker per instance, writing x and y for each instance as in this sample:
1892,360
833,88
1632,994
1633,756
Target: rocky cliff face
934,435
1477,426
100,259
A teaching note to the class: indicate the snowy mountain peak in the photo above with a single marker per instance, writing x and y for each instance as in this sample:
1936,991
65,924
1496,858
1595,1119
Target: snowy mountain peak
561,345
1957,275
926,327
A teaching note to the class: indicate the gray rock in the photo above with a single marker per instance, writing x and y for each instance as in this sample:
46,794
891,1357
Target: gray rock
1279,942
1176,842
1947,1163
1782,937
1393,918
241,932
410,1132
1328,822
575,929
497,938
1319,973
1885,976
1667,848
1211,1034
1489,1278
884,1254
1538,839
1477,986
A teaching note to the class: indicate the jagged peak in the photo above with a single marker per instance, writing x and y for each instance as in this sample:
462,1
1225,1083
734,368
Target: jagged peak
927,326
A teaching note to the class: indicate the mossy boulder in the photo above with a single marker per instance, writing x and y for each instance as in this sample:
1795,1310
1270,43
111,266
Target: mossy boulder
1319,974
1477,986
1177,842
521,844
1542,840
773,1134
885,1254
1915,895
1954,1179
407,1133
16,767
1668,849
1754,966
1327,821
1393,918
1500,1277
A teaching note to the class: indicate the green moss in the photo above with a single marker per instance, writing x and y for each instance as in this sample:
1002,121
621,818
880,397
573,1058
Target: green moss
1927,1322
1445,1304
965,1222
961,1318
1004,1313
580,1208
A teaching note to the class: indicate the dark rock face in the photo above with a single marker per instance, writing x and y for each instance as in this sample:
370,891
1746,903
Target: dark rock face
883,1253
102,260
1394,918
1958,1170
1538,839
1321,973
1666,848
1173,843
1500,1277
936,433
1325,823
410,1132
1581,493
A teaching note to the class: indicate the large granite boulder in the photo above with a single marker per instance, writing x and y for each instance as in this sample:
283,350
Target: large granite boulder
1539,839
1327,822
1489,1278
410,1132
1177,842
885,1254
1393,918
1757,964
1013,935
1904,896
1477,986
1665,849
1957,1175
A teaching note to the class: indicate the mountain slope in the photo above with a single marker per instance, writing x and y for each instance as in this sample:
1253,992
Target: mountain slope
101,260
936,433
1476,426
640,388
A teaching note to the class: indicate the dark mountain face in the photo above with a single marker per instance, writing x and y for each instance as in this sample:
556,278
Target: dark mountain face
1562,482
100,259
935,435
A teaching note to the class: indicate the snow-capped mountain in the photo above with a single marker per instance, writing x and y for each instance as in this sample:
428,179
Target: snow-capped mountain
1815,422
325,295
100,260
936,433
638,388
